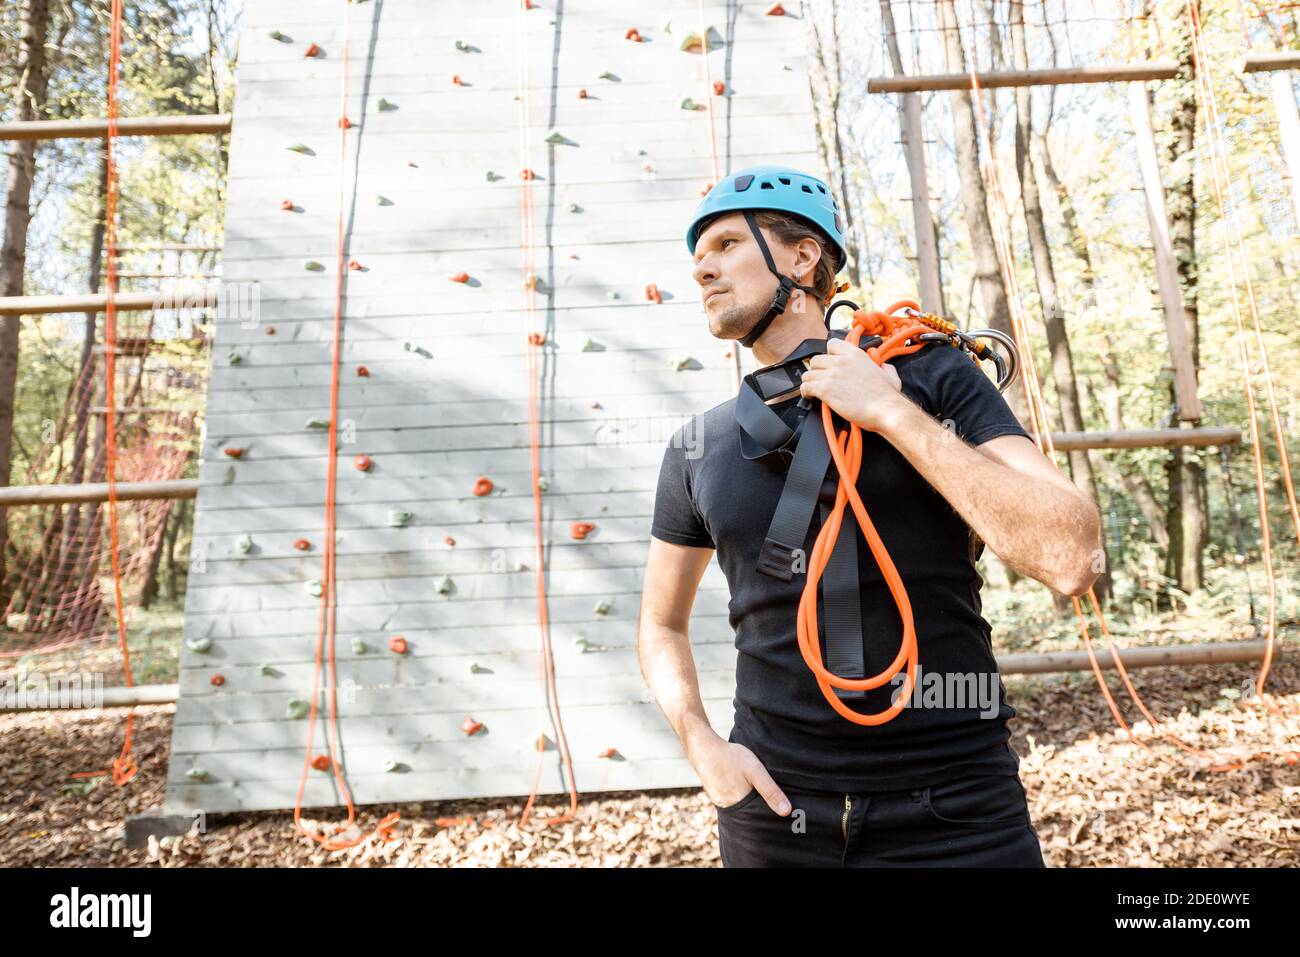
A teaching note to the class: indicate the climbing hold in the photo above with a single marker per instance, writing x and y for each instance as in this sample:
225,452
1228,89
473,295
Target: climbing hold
270,330
315,587
527,174
359,647
397,517
537,338
554,136
234,358
581,645
287,205
449,542
312,50
312,265
580,530
528,5
218,681
397,645
648,167
198,774
575,208
363,372
542,742
614,295
582,94
444,585
694,44
493,177
653,294
321,762
606,75
608,753
354,265
633,34
543,483
530,280
362,463
520,567
234,453
381,200
477,669
462,46
457,81
245,544
705,190
277,35
391,765
345,123
296,708
719,87
418,350
591,346
302,545
727,354
597,405
268,671
317,424
301,148
689,104
602,607
681,363
775,10
470,726
385,106
200,645
482,485
459,277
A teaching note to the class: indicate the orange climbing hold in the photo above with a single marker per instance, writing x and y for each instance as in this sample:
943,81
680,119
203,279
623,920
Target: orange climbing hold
459,277
449,542
705,190
218,681
234,453
397,644
457,81
471,727
719,88
345,123
527,174
302,545
286,205
633,34
321,762
582,94
537,338
354,265
653,294
541,742
363,372
363,463
775,10
482,485
608,753
270,330
312,50
581,530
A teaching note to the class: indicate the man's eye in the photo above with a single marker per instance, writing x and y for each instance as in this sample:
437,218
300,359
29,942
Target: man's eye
725,241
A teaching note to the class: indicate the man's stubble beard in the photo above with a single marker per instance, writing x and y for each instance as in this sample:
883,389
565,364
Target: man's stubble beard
734,322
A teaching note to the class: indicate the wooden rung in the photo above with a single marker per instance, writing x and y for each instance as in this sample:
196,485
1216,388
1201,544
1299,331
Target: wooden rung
98,302
97,492
135,410
132,126
1268,62
1146,438
1155,70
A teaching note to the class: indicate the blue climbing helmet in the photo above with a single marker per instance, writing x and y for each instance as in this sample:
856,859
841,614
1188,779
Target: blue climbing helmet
780,189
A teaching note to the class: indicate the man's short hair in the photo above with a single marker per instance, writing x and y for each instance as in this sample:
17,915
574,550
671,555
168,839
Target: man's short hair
790,230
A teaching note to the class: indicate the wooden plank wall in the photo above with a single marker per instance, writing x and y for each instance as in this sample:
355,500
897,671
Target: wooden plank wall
446,399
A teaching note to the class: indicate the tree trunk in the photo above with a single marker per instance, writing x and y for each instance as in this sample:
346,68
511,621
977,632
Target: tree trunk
32,81
832,144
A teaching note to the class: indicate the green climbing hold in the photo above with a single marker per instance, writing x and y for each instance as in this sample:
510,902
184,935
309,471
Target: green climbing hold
476,669
297,708
385,105
418,350
614,295
315,587
381,200
591,346
200,645
277,35
581,645
397,518
602,607
269,671
606,75
493,177
688,104
312,265
575,208
234,358
301,148
554,136
444,585
543,483
245,545
462,46
318,424
359,647
197,774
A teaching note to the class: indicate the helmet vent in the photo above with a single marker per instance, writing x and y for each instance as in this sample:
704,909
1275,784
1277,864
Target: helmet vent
806,189
766,185
821,188
784,180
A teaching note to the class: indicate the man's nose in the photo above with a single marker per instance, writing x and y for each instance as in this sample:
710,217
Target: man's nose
704,272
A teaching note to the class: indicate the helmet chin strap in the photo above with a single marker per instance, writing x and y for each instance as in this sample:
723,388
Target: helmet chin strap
782,297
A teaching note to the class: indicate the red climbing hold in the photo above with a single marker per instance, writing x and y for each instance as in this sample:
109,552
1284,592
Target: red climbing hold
705,190
363,463
397,644
775,10
363,372
354,265
653,294
527,174
234,453
582,94
286,205
719,88
459,277
537,338
528,5
449,542
321,762
457,81
483,485
581,530
302,545
608,753
270,330
218,681
633,34
345,123
471,727
312,50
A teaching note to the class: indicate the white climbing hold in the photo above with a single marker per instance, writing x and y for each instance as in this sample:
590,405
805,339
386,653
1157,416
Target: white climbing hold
582,645
197,774
397,518
245,544
358,646
575,208
462,46
391,765
200,645
315,587
543,483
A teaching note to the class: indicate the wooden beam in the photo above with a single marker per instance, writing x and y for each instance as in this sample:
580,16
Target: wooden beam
1059,77
97,492
1271,62
1206,654
1146,438
98,302
58,698
97,128
1288,128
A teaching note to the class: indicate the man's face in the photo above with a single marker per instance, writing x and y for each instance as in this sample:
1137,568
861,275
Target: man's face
735,283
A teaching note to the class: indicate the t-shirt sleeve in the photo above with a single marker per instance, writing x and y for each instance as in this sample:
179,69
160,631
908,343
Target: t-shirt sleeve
962,397
677,519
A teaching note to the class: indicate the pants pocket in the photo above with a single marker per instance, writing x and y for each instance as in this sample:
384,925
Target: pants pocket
982,800
747,799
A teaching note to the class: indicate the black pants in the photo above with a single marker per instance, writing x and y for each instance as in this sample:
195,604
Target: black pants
980,821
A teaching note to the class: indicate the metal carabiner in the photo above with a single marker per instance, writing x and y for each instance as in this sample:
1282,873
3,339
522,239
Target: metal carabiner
1008,367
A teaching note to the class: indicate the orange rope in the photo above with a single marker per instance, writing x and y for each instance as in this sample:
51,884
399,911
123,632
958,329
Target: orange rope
329,599
545,662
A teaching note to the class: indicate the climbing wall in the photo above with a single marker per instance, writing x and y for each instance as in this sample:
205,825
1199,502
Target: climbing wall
437,609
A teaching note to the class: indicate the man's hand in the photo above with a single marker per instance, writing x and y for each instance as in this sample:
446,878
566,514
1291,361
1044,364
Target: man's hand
728,771
851,383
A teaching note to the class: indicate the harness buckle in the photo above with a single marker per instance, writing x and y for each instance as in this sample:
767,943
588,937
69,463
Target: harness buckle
777,560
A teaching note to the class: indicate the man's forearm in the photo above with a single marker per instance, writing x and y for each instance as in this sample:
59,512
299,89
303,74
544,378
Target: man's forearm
1045,530
669,671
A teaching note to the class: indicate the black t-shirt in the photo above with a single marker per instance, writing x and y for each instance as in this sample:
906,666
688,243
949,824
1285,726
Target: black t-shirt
710,496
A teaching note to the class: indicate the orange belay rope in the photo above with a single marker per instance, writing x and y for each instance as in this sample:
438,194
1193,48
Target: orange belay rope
536,341
1042,434
328,598
124,766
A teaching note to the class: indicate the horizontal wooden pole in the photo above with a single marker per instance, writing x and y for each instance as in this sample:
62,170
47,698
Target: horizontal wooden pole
97,127
1268,62
98,302
96,492
58,698
1146,438
1058,77
1207,654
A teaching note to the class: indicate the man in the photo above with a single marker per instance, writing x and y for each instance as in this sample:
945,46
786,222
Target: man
945,468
